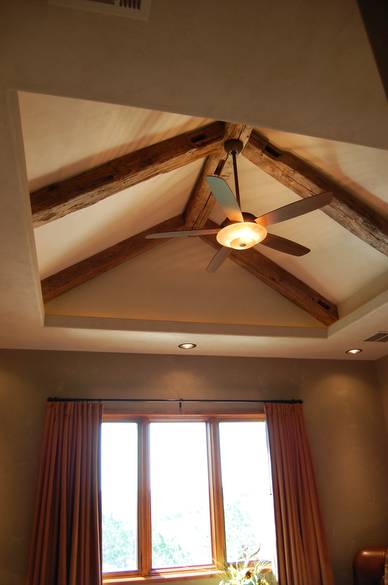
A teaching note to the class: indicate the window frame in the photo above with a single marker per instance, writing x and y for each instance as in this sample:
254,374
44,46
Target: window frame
145,573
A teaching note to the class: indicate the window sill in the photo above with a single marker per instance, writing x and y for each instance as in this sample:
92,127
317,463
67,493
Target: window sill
161,577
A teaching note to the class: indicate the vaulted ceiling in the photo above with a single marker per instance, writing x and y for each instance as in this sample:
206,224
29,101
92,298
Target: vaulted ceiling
102,176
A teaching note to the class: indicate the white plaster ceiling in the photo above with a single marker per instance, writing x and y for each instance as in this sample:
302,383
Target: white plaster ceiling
170,283
290,84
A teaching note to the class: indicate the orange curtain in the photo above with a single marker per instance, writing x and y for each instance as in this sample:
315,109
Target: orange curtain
301,547
66,544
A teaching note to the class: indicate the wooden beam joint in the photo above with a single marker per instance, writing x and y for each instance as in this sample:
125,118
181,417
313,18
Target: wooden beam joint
201,201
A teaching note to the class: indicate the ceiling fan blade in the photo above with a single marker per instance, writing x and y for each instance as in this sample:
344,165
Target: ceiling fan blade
218,259
225,197
295,209
182,234
284,245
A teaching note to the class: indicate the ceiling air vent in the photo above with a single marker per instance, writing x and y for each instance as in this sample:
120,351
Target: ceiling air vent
380,336
138,9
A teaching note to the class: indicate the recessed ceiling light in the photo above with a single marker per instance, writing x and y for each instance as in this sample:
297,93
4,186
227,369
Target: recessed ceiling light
187,345
354,351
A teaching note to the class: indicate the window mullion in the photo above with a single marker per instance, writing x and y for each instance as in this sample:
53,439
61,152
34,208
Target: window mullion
216,497
144,516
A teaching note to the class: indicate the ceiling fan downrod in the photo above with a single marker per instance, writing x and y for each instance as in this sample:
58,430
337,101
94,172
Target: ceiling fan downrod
233,147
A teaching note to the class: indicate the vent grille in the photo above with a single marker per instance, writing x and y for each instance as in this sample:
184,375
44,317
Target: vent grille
380,336
137,9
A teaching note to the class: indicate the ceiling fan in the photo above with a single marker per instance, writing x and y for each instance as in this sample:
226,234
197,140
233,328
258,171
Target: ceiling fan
242,230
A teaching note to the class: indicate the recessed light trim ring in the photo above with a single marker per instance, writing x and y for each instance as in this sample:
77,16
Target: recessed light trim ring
187,345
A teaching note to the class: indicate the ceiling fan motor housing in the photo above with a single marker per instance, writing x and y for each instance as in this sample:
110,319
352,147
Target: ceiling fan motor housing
246,215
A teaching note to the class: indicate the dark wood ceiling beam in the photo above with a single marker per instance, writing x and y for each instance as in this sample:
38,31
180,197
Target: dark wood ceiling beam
283,282
59,199
201,201
87,269
306,180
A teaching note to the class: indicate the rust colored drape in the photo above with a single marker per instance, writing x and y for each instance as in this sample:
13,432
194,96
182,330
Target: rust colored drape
301,547
66,544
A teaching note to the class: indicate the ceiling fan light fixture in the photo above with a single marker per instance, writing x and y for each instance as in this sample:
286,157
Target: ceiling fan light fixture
242,235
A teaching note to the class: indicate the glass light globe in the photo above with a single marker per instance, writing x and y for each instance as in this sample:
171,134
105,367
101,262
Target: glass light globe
241,236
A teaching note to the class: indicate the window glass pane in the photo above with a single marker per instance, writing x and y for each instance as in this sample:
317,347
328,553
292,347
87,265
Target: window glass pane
119,496
247,490
179,495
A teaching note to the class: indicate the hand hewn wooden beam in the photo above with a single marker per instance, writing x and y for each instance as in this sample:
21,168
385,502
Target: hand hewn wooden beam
201,201
283,282
306,180
59,199
79,273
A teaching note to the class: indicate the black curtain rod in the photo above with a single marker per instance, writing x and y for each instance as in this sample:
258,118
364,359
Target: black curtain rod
173,400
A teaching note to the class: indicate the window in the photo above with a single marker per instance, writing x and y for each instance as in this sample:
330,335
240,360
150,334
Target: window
184,495
179,495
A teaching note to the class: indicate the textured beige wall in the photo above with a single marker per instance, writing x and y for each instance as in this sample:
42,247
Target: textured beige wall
268,64
382,372
342,406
